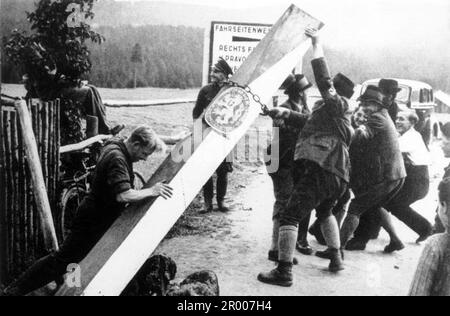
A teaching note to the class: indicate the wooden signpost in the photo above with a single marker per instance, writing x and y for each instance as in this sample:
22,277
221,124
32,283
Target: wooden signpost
117,257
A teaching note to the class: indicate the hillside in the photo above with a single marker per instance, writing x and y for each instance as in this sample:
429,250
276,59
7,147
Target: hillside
171,35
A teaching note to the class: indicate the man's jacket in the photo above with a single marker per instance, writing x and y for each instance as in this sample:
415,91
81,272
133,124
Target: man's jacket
375,154
205,96
327,134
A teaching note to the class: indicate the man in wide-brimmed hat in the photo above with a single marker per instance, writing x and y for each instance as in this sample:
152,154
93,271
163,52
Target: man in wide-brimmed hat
321,167
295,87
390,89
378,170
369,227
220,74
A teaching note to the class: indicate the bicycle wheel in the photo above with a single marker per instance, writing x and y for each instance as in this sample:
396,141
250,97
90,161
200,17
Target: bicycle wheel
139,181
71,198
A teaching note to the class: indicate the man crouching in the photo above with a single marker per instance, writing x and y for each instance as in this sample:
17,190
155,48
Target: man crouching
111,191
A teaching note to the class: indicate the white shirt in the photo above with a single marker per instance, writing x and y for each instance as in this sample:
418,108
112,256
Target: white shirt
413,146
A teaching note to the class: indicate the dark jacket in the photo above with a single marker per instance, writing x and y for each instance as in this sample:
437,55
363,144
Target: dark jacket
393,111
327,133
205,96
204,99
375,155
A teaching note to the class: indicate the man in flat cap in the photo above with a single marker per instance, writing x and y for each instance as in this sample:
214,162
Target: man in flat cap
378,170
295,87
220,73
322,164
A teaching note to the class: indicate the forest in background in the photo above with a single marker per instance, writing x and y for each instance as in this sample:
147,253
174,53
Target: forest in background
172,54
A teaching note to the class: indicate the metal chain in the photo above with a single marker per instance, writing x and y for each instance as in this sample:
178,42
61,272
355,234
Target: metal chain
256,98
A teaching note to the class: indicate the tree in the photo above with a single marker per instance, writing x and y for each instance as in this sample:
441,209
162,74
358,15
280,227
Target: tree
136,59
55,53
55,56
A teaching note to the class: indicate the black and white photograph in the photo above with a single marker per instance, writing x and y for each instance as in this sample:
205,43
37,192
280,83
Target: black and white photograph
235,150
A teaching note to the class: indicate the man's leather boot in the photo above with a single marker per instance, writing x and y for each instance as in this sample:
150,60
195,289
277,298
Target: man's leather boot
281,276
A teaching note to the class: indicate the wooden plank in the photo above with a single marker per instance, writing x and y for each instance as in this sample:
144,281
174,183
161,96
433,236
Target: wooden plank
3,213
43,140
146,103
57,145
22,195
50,163
10,188
134,236
40,193
17,256
84,144
35,222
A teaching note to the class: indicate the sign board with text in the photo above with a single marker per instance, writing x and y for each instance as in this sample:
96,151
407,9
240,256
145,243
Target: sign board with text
234,42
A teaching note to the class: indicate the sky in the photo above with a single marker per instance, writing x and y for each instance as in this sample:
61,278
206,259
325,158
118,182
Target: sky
362,22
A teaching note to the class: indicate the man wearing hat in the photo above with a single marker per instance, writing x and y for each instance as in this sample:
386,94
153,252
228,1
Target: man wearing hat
390,89
321,166
369,227
220,73
295,87
378,170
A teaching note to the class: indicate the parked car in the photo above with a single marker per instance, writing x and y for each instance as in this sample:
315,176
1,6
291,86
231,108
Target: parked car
418,96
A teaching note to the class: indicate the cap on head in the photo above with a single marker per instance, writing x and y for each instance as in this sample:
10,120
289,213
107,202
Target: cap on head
295,84
223,67
388,86
372,94
343,85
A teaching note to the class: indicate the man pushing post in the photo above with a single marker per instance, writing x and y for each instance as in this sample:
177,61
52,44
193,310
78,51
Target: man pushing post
112,189
321,171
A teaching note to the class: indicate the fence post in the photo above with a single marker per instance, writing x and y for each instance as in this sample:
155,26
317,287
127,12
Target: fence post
40,192
3,228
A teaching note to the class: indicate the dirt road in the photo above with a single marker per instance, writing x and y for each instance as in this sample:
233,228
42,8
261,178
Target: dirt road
237,251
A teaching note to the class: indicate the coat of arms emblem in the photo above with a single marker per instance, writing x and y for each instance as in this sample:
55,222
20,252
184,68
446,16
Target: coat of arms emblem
228,111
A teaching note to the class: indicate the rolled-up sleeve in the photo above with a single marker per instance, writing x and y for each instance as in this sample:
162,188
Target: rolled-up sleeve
118,178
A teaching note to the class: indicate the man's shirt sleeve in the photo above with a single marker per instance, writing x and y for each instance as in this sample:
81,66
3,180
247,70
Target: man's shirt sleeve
118,178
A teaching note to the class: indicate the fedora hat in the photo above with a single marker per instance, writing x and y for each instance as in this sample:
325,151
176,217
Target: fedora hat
373,94
295,84
388,86
343,85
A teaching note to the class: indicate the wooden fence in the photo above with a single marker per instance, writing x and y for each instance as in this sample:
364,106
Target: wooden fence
21,237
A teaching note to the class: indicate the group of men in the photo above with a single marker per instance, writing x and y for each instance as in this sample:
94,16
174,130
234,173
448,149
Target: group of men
322,156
